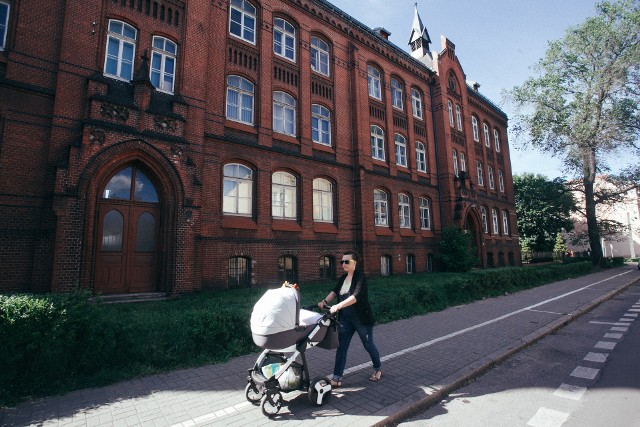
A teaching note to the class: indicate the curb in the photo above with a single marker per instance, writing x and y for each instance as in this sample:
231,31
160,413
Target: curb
460,378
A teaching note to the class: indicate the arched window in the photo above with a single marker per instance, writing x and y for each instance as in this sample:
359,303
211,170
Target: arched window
492,183
284,113
476,132
237,190
240,99
377,143
4,23
380,208
284,39
320,125
287,269
494,217
322,200
480,173
373,76
131,184
327,267
121,50
242,20
385,265
284,195
459,117
401,149
505,223
496,139
112,231
404,210
397,94
410,262
319,56
485,224
425,213
163,64
450,105
416,103
463,162
421,157
485,128
455,163
239,272
501,181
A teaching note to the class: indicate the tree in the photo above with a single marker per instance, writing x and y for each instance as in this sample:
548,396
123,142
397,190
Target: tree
559,248
455,250
543,208
583,107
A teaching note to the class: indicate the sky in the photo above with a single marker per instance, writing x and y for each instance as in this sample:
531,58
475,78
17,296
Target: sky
497,43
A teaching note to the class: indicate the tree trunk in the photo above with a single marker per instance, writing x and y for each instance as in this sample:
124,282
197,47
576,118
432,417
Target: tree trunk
592,223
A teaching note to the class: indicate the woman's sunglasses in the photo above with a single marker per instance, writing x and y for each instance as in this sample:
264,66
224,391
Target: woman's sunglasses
345,261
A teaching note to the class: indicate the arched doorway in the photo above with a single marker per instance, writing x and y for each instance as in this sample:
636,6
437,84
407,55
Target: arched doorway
127,244
472,227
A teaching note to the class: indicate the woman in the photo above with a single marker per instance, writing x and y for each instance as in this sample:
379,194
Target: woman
355,316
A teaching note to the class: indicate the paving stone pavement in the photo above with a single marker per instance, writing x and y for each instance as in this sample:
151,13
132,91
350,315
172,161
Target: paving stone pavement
424,358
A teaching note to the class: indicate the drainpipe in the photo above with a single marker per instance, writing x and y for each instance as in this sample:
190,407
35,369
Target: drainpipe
435,146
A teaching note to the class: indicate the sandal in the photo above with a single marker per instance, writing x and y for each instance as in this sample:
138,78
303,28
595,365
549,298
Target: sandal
336,383
376,375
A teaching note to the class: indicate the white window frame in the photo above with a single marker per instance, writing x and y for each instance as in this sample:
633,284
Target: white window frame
401,149
505,223
501,181
496,139
4,26
456,171
284,113
450,106
397,94
124,39
284,195
480,173
487,141
421,157
373,81
485,223
425,213
494,217
385,265
492,184
284,39
322,200
459,117
410,264
463,162
246,12
319,56
162,69
416,103
377,142
243,90
237,187
404,210
476,130
320,125
381,208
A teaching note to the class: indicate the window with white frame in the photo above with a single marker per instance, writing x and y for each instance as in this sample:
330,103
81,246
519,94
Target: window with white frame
381,207
163,64
455,163
242,20
501,181
240,99
494,217
496,139
385,265
411,264
476,131
480,174
284,113
401,149
425,213
459,117
505,223
463,162
4,24
284,39
320,125
421,157
397,94
404,211
377,143
450,106
283,195
322,200
485,225
121,49
492,184
373,76
416,103
237,190
487,141
319,56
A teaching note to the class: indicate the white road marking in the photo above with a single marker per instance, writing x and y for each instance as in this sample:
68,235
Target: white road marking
596,357
596,322
569,391
620,328
630,314
584,372
635,310
549,312
546,417
626,319
605,345
612,336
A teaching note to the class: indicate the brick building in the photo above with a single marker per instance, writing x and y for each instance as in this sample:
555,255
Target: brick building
171,146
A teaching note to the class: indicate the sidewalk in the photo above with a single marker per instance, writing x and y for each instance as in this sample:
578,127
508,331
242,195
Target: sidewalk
424,358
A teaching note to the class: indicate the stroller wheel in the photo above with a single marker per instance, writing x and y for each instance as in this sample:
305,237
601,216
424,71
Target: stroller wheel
271,403
319,391
252,393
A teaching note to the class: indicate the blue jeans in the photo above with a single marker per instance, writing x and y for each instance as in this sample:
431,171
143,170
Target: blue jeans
348,326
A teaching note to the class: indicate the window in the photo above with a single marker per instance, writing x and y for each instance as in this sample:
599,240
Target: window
284,113
425,213
450,113
401,150
485,225
458,117
476,132
404,211
396,94
374,82
4,24
411,264
131,183
239,272
480,174
487,141
385,265
505,223
322,200
121,47
421,157
494,217
242,20
287,269
319,56
377,143
163,64
284,39
320,125
380,208
238,190
496,139
455,163
430,263
283,196
239,100
501,181
327,267
416,103
492,184
463,163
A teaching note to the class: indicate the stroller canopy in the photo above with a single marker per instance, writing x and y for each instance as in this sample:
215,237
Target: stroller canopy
276,311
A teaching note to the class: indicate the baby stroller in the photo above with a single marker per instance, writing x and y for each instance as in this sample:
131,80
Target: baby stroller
285,332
